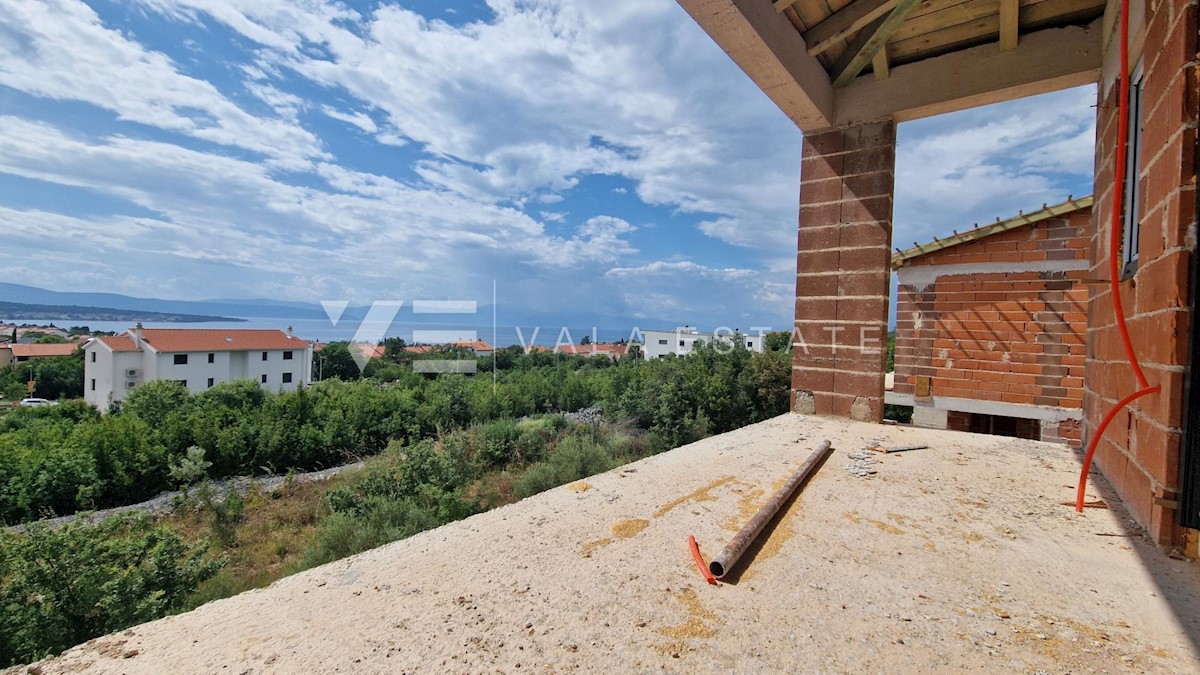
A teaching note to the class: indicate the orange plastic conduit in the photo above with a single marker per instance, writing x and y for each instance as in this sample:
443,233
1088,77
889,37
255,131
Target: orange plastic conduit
700,560
1114,272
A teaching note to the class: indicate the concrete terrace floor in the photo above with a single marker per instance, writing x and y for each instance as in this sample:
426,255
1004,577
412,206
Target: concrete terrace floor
957,557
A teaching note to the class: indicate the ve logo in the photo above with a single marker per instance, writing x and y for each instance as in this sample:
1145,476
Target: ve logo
382,314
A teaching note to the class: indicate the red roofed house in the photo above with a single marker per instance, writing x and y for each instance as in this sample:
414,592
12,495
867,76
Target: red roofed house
991,326
610,349
17,353
196,358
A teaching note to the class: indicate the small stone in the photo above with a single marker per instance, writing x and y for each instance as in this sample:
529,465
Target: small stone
130,654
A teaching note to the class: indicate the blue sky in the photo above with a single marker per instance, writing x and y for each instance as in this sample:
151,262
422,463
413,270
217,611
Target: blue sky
588,156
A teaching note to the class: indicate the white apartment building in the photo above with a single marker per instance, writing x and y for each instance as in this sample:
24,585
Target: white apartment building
197,358
683,341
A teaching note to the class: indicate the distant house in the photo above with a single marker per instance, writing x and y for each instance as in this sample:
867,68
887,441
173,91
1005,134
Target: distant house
683,341
11,354
612,350
197,358
478,347
991,326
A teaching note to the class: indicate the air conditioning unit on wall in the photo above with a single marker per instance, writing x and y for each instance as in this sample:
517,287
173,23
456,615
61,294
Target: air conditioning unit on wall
133,372
130,385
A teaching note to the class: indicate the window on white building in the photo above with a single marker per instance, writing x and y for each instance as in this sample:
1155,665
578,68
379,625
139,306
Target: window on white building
93,357
93,381
212,358
287,356
181,359
287,377
662,342
264,378
211,381
264,356
183,382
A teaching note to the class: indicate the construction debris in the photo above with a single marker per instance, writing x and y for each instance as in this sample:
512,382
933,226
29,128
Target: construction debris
860,465
901,448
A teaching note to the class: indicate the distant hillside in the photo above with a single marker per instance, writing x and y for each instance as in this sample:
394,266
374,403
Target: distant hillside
20,310
18,293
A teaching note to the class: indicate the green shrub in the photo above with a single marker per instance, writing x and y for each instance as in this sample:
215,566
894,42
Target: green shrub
572,459
62,587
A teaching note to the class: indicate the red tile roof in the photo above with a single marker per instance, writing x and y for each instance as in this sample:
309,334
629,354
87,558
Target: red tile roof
206,340
474,345
42,350
599,348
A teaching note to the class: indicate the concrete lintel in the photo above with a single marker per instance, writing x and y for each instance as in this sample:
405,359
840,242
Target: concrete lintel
923,276
766,46
1046,60
1044,413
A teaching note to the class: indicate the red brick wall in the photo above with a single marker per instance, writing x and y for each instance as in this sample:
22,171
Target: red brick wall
1009,337
1139,453
842,271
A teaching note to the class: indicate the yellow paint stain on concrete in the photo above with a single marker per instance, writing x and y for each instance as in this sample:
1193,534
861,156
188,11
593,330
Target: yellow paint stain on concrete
857,518
689,629
695,626
591,546
579,486
624,529
703,494
886,527
748,504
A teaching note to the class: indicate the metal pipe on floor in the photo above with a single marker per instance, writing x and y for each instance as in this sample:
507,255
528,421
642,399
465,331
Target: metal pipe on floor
729,555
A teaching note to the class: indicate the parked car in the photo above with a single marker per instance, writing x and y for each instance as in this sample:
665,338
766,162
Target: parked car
33,403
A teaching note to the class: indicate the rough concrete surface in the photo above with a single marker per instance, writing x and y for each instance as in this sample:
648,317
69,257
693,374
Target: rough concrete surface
955,557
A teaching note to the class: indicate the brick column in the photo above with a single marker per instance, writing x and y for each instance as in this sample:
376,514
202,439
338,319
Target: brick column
843,271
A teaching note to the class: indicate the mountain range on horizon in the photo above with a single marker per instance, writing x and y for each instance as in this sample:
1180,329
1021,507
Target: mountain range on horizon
266,308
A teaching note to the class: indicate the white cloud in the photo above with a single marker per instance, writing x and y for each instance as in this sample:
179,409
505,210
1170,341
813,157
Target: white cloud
58,49
359,119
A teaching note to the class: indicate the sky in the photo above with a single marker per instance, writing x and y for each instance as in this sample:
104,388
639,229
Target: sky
587,157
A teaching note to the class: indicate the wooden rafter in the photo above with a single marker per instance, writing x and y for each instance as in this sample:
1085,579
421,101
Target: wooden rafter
868,42
845,22
781,5
880,63
1010,13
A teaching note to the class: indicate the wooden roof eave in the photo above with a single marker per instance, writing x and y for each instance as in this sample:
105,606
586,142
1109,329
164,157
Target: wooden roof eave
918,250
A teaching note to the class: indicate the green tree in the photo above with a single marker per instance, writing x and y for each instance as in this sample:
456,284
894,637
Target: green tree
61,587
335,360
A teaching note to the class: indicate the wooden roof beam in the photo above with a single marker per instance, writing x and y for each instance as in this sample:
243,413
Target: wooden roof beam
1010,15
766,47
845,22
1047,60
869,40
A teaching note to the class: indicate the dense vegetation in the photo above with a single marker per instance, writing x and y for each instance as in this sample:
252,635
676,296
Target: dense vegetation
57,377
68,458
62,587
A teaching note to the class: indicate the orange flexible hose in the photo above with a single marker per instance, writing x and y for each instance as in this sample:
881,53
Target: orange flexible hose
1114,245
700,560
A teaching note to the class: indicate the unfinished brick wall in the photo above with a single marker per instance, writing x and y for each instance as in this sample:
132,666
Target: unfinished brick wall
1011,336
843,259
1140,452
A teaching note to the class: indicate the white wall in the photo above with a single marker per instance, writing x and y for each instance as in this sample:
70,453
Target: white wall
681,343
109,370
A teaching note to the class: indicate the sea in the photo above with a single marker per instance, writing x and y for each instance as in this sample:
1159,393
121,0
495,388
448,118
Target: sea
323,330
